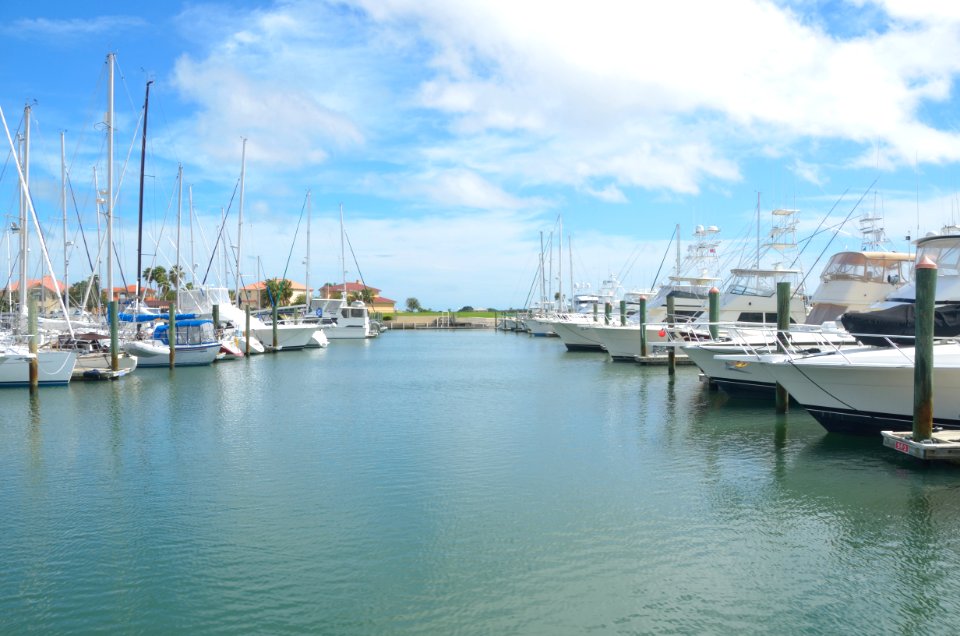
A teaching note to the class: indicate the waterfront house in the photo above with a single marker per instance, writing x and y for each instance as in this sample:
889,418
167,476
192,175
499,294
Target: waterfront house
255,295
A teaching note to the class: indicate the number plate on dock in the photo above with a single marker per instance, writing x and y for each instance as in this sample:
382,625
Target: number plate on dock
903,447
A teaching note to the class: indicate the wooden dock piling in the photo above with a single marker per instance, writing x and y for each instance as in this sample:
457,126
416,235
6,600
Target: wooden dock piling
114,336
246,334
926,280
783,324
172,335
643,326
276,338
671,351
713,298
33,365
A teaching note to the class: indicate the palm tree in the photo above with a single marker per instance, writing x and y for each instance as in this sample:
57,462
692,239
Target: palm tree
175,275
157,275
279,290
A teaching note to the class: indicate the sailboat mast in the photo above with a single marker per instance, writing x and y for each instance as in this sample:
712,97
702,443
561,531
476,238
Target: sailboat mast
110,63
176,266
223,249
193,263
343,256
36,222
243,164
63,206
306,282
24,195
543,285
143,159
560,263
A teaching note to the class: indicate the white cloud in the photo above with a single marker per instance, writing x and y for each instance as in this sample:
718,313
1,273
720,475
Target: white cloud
567,75
70,28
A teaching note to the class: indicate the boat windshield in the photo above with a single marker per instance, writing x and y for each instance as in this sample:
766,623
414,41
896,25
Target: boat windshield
746,285
945,253
860,266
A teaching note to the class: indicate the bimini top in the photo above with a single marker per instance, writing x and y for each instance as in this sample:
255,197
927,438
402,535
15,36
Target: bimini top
183,323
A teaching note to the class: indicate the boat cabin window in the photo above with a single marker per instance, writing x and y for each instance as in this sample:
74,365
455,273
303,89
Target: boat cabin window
945,253
759,316
858,266
357,312
846,265
752,286
345,312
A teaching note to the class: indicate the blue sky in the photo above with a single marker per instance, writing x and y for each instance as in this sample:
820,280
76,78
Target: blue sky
454,133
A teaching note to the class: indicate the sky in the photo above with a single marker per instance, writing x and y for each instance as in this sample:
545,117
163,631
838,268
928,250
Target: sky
459,137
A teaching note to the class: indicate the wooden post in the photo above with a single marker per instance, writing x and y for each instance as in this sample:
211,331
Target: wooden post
926,280
276,319
607,310
671,351
623,313
783,325
643,326
595,319
33,372
172,334
114,337
714,314
246,334
216,318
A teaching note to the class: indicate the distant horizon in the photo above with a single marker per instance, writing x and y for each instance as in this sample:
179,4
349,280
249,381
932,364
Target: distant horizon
460,137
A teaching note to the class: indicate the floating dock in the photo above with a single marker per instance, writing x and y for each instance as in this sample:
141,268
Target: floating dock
944,445
99,374
661,359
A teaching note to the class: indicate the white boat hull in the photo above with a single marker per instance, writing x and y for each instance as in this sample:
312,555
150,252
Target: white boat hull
350,332
870,390
578,335
155,354
55,368
290,337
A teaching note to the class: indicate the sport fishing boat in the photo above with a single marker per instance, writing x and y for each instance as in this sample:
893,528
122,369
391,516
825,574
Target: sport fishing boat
851,281
868,389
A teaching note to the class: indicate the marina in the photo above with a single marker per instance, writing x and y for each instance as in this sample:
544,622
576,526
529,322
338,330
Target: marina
361,318
456,482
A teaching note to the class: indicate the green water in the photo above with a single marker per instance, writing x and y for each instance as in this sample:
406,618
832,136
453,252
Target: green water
457,483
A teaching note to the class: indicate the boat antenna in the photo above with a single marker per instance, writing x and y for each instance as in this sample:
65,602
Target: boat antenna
664,259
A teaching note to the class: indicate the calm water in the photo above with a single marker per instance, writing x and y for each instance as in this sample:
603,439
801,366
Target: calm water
469,483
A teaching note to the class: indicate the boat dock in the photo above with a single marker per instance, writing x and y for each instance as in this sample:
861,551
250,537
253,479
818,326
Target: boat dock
942,445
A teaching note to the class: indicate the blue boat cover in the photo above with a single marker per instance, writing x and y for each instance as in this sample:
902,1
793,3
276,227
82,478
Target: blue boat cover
160,329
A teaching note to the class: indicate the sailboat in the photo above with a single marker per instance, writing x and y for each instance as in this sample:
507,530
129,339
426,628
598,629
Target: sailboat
340,318
16,357
290,336
194,340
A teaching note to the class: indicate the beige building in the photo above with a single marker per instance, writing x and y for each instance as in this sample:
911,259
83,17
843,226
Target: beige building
255,295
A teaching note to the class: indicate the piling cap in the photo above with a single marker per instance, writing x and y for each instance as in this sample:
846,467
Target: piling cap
714,290
926,263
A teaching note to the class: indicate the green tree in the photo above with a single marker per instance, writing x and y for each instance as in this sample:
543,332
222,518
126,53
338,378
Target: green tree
366,295
79,289
158,276
175,276
280,290
413,305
